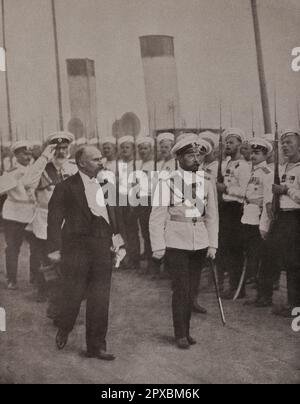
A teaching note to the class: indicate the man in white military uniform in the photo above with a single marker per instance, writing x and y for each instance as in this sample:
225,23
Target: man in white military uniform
236,175
55,172
165,141
284,246
127,165
109,153
255,218
184,227
19,208
210,163
146,164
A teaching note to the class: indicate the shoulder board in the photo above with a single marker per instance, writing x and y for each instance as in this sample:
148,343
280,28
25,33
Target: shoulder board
12,169
266,170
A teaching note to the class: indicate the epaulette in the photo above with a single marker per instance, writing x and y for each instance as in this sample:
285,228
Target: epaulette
266,170
12,170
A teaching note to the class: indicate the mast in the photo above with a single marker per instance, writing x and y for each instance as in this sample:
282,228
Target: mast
261,71
6,74
60,111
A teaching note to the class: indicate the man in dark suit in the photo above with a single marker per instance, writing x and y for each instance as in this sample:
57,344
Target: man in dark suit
80,230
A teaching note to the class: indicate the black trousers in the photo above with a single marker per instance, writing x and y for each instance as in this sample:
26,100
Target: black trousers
282,250
144,213
253,244
39,257
14,236
185,268
230,256
130,217
86,272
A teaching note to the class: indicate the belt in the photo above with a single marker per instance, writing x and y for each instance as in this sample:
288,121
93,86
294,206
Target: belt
178,218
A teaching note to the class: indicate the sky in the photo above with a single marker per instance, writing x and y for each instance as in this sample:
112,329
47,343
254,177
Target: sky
214,50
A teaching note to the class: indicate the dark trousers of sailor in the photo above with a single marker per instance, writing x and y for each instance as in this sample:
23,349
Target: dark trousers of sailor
230,257
14,236
86,272
185,269
39,257
253,244
144,213
130,217
283,251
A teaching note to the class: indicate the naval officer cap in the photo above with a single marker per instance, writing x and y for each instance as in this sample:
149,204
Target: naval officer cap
165,136
259,143
269,137
21,145
191,143
210,137
109,139
94,141
126,139
235,132
145,140
289,132
82,141
60,137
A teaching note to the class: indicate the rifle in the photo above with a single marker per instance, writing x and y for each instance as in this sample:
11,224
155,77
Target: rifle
276,198
117,170
220,177
2,158
155,141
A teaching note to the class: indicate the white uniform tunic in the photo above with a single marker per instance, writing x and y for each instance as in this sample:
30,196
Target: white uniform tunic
180,224
19,185
236,177
258,195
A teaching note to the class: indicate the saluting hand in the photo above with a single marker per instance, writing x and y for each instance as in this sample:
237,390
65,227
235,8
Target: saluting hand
49,151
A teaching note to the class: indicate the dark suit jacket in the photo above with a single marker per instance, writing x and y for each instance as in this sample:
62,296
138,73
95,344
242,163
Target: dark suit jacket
69,216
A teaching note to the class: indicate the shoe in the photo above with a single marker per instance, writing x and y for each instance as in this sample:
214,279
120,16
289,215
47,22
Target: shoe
182,343
191,340
196,308
102,355
263,302
61,339
12,286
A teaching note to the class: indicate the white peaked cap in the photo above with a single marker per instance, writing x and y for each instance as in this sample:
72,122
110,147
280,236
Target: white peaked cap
192,142
126,139
81,141
108,139
289,132
210,137
94,141
236,132
259,141
21,144
59,137
145,139
165,136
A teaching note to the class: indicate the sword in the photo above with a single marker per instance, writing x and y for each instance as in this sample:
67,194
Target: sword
238,291
215,278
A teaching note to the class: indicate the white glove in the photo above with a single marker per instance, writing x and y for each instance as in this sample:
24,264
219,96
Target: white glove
120,255
55,257
159,254
211,253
